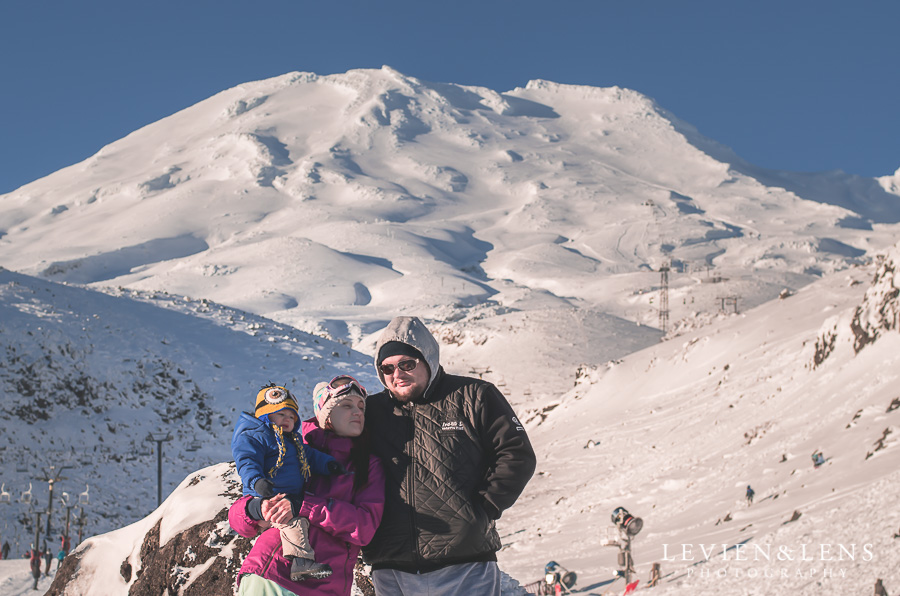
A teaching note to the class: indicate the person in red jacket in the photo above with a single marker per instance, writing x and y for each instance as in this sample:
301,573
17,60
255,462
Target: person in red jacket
35,557
343,510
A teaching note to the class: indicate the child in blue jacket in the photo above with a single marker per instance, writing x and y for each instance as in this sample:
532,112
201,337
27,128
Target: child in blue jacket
271,458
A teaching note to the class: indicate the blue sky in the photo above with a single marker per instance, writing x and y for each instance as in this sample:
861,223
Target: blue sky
802,85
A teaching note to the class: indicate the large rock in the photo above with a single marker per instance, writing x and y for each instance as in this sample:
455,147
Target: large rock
185,547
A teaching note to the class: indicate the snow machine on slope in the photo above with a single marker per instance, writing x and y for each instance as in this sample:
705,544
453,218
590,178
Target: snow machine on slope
557,580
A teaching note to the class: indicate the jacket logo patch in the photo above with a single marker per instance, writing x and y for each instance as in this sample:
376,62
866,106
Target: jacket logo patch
517,423
451,426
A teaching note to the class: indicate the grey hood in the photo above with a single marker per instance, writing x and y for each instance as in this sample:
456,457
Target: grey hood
411,331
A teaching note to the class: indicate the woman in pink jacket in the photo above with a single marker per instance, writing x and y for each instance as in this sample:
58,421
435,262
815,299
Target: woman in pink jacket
343,511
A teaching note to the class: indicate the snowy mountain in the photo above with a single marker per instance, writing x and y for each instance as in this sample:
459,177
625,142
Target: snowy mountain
332,203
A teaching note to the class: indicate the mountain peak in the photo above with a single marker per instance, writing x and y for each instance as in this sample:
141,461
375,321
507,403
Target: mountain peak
337,201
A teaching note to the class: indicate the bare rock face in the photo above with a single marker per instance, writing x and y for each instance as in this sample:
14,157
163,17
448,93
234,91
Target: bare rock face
66,570
174,568
193,562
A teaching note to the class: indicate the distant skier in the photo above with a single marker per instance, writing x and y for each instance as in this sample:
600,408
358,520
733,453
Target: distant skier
65,545
818,459
48,557
879,588
4,550
749,495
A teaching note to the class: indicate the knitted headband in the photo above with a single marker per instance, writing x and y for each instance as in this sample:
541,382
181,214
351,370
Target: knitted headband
273,398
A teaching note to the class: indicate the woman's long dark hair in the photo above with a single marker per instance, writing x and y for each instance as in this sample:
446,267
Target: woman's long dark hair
359,459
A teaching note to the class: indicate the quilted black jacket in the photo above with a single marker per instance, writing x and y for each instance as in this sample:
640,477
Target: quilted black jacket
454,460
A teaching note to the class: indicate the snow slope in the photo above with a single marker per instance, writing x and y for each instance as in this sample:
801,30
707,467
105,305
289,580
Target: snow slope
334,202
676,432
16,580
86,376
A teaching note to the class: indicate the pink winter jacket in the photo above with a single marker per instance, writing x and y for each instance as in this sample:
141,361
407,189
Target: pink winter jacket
339,522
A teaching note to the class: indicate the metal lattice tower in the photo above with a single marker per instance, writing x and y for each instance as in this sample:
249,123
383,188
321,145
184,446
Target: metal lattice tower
664,297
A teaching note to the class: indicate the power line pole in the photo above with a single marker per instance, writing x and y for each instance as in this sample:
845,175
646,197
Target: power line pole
159,439
52,476
664,297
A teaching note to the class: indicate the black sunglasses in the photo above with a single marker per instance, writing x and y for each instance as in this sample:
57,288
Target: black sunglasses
404,365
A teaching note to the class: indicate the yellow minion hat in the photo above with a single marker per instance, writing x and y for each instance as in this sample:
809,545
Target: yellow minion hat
273,398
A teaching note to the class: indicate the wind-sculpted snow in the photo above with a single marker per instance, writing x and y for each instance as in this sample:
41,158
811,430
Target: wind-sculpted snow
162,182
123,261
242,106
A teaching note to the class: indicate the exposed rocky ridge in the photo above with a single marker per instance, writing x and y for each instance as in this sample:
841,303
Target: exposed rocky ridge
880,311
877,314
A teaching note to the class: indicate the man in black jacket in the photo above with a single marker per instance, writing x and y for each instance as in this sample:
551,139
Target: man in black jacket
455,458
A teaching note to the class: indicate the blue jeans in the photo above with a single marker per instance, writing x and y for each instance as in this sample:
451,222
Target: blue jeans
482,579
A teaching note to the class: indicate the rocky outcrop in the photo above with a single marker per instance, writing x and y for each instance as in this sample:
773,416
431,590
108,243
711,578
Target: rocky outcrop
876,315
198,560
880,310
185,548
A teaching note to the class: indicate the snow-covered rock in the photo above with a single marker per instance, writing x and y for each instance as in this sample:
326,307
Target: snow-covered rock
880,311
184,548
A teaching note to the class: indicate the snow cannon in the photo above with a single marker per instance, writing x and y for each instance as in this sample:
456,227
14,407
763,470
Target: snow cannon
557,579
626,522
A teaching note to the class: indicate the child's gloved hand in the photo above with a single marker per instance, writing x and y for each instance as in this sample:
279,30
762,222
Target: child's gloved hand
335,468
264,488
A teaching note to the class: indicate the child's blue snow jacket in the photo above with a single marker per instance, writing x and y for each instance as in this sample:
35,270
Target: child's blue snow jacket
254,446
